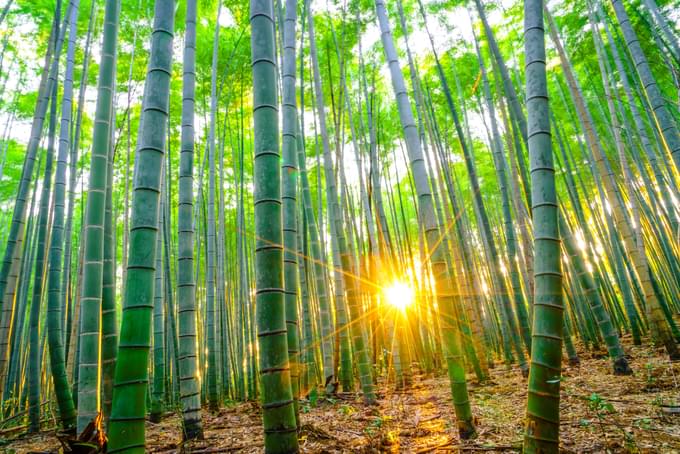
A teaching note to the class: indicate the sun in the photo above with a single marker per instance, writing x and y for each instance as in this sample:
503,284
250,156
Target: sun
399,295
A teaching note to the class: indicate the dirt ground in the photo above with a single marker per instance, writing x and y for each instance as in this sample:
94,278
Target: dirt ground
600,413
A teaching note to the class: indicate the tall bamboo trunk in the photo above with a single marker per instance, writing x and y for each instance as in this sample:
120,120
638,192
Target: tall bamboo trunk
543,402
35,346
89,403
128,412
55,301
289,175
431,232
186,280
280,428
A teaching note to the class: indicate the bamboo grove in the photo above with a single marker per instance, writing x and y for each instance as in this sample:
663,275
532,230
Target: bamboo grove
210,201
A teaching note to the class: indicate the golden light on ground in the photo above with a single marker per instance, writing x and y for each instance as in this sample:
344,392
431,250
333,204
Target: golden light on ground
399,295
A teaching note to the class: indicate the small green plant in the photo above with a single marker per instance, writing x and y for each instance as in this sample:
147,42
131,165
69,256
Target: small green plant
313,397
629,441
375,425
643,423
600,405
651,379
601,408
604,412
347,410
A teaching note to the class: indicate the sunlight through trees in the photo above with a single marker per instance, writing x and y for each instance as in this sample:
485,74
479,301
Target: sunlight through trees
268,223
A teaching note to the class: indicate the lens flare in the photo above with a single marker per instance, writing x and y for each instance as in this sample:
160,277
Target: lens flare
399,295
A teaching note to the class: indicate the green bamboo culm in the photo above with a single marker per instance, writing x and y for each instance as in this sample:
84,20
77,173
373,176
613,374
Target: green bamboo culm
70,337
210,249
35,349
543,405
190,394
278,413
55,292
289,190
329,373
431,232
109,324
158,383
93,253
126,425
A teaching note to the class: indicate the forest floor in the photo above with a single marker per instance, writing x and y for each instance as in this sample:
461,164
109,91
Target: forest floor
600,413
